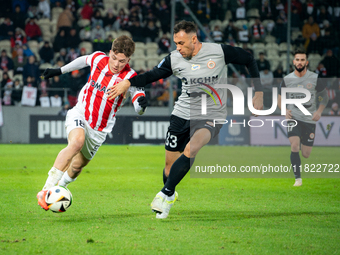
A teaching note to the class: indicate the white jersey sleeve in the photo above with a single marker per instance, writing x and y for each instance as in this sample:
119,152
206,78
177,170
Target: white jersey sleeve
135,94
81,62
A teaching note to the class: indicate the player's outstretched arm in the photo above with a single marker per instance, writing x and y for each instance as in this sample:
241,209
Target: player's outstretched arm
76,64
162,70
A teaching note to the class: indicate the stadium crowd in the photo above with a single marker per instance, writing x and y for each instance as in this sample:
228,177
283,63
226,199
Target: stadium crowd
40,34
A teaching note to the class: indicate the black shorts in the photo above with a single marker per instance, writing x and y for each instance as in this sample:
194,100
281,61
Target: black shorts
180,131
306,131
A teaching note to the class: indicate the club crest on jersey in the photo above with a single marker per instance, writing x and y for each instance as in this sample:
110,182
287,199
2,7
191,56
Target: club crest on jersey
195,67
211,64
309,85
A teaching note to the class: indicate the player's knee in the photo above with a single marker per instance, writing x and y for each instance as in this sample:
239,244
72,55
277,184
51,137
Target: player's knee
295,147
305,154
77,144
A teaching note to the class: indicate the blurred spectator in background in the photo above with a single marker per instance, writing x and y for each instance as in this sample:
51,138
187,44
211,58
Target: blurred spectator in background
57,87
134,16
151,32
217,34
266,10
18,38
31,69
309,29
44,10
82,52
230,40
230,29
334,110
46,53
314,45
295,20
6,29
7,96
308,9
98,33
6,63
280,31
97,19
278,7
77,84
328,42
331,63
22,3
71,55
65,20
262,63
146,8
19,18
60,41
5,80
299,42
322,15
257,32
137,32
85,34
62,56
278,76
295,4
321,70
73,39
121,21
163,99
164,44
87,11
19,61
163,13
109,20
17,92
267,78
32,30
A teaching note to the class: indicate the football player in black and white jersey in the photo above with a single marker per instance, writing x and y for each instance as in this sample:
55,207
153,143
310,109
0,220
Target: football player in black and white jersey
301,128
194,63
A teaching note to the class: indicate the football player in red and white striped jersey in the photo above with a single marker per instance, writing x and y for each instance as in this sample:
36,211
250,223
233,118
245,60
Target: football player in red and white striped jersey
93,117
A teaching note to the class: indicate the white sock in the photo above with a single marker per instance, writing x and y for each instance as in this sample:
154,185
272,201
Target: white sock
66,179
54,175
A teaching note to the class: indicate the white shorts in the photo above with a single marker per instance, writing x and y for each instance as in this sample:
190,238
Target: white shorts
93,138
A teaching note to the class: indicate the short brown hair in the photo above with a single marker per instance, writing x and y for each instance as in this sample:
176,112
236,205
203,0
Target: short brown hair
186,26
123,44
300,51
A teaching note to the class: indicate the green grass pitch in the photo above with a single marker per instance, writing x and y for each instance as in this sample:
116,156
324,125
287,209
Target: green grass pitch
111,212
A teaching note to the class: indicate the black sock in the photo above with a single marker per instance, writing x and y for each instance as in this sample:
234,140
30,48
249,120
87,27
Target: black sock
165,178
177,172
296,162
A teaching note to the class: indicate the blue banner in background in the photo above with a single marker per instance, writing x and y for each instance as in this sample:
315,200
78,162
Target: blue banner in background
235,131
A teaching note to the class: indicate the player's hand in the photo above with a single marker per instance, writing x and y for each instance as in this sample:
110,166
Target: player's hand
289,114
143,102
316,116
118,89
50,72
258,101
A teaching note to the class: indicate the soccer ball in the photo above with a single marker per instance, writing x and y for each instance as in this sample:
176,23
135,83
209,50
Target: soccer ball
58,199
